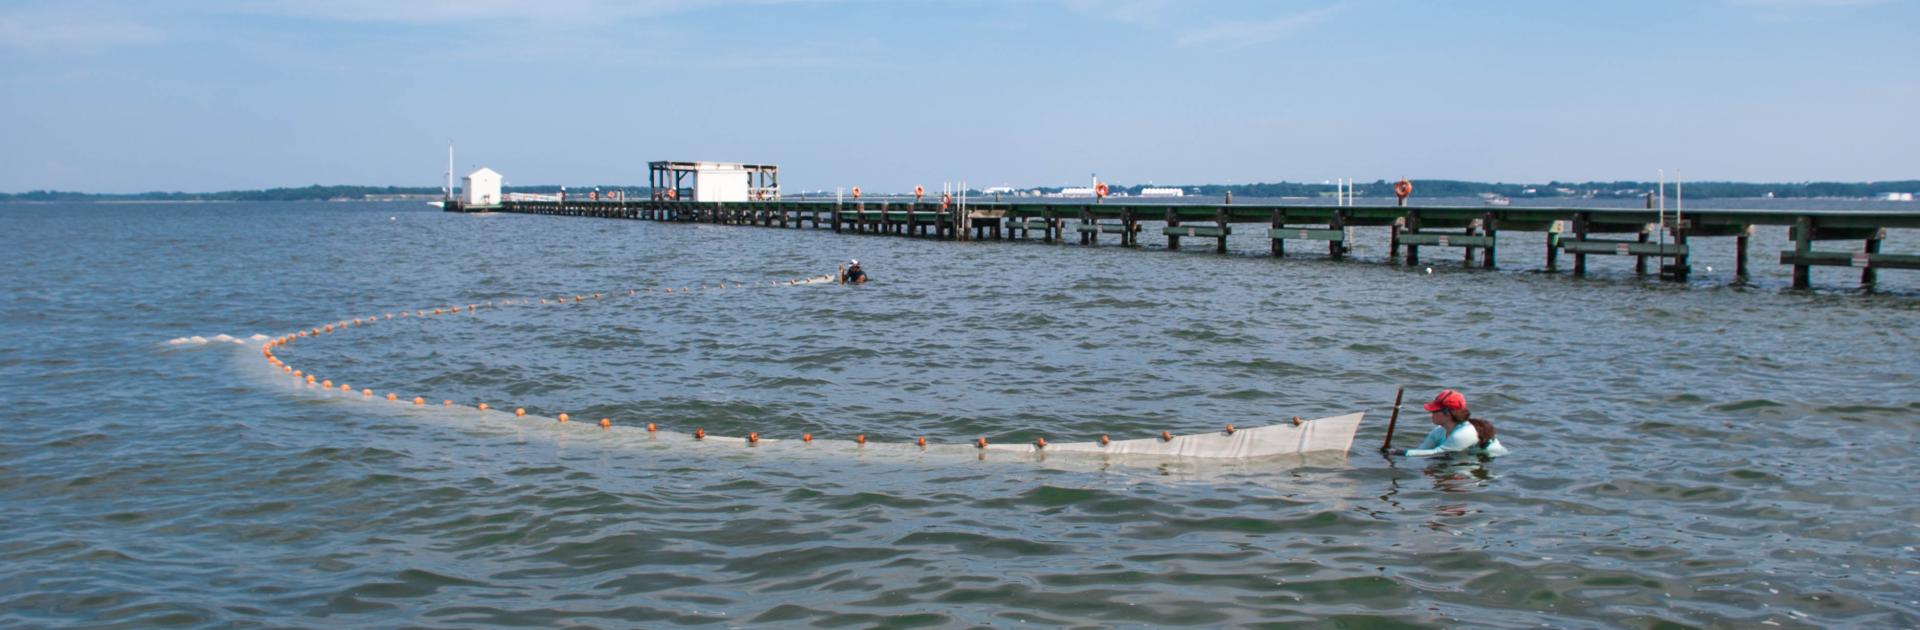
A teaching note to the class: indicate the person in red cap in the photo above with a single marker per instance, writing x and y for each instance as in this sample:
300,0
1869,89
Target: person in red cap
1455,430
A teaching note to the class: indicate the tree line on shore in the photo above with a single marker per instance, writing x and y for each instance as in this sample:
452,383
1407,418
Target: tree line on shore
1376,188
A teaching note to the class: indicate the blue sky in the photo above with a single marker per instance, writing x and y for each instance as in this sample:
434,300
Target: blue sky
112,96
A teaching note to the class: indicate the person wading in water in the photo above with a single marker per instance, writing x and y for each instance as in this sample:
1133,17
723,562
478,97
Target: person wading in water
852,273
1455,431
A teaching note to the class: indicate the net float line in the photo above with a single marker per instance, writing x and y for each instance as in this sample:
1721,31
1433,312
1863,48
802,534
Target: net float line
1326,434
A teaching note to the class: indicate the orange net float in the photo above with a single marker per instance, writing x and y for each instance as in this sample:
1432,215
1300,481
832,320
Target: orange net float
286,368
806,437
1229,428
482,406
367,393
520,412
419,401
753,437
345,388
606,423
699,434
1104,440
860,439
392,396
446,403
563,417
327,384
1166,437
651,427
980,442
309,379
1040,442
922,442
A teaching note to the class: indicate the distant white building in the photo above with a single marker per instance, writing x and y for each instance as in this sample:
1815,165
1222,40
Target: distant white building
1897,196
1162,192
1075,192
482,188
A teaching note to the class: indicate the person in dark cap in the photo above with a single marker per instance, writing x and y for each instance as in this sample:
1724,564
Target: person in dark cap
1455,430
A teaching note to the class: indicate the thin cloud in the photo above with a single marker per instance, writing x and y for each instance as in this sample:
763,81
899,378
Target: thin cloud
61,31
1243,33
1791,4
1176,20
440,11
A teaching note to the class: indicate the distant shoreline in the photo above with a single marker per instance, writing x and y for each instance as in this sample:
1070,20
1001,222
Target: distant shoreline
1854,191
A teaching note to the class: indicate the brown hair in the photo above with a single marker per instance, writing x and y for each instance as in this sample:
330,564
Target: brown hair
1481,427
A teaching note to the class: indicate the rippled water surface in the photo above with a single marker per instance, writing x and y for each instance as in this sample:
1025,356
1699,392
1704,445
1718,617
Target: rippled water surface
1702,454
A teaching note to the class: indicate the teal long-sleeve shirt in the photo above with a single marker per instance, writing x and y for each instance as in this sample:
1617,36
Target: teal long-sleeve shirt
1464,440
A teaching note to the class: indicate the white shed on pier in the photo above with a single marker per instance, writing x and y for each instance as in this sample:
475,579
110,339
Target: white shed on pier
482,188
714,181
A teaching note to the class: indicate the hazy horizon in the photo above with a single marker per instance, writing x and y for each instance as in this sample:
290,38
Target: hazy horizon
117,97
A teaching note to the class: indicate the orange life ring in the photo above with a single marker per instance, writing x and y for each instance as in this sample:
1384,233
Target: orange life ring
946,200
856,192
673,193
1100,189
1403,188
918,192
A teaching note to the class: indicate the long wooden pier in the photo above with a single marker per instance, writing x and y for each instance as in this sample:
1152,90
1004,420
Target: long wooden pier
1579,232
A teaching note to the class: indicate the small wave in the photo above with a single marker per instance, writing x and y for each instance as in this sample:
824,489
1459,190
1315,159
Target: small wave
198,340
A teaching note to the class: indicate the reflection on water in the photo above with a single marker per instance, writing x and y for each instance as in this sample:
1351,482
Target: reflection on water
1696,454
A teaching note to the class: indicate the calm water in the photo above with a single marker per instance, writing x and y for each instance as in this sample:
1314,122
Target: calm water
1699,454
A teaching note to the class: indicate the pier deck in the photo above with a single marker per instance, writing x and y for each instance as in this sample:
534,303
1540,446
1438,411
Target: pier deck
1472,229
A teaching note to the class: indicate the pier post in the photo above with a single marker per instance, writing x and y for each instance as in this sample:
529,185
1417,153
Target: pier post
1640,261
1579,234
1553,246
1488,225
1740,254
1393,238
1086,236
1467,252
1220,218
1277,247
1173,220
1393,232
1867,275
1682,265
1127,236
1413,225
1337,250
1802,243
